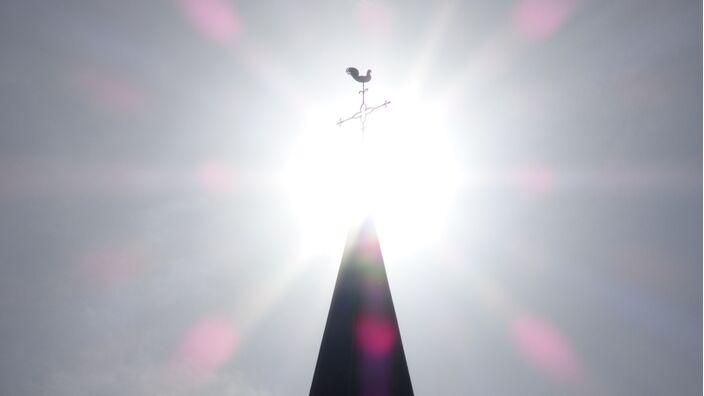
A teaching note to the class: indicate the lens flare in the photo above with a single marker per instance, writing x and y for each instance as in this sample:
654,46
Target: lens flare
403,174
215,19
545,347
208,345
375,335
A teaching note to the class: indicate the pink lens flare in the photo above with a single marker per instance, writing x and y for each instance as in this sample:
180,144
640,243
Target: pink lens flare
539,19
375,335
208,345
377,19
112,264
110,91
369,248
216,177
536,180
214,19
547,349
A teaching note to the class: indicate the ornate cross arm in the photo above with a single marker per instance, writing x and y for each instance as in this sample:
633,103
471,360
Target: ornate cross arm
371,109
363,112
356,115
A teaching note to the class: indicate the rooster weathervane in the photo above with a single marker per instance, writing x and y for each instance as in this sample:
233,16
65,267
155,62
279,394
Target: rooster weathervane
364,110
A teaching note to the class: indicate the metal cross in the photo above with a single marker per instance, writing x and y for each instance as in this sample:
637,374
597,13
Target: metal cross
364,110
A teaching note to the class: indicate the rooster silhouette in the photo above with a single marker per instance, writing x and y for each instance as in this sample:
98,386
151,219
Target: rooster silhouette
352,71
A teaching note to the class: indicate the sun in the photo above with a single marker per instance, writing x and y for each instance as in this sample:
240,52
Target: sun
403,174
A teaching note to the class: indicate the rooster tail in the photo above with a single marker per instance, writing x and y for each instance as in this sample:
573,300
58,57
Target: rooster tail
352,71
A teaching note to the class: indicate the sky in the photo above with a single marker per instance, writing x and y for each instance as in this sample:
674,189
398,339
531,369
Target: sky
175,194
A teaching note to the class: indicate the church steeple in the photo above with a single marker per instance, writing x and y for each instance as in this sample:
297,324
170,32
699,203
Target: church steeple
361,352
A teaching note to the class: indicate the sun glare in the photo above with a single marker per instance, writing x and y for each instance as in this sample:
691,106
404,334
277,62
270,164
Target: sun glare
403,174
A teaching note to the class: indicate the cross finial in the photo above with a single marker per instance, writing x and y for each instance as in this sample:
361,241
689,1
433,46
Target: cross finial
364,110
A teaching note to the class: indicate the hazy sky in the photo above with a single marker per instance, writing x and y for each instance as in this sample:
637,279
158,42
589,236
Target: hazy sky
150,242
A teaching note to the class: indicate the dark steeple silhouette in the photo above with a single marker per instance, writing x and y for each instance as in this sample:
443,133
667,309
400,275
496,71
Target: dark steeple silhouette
361,352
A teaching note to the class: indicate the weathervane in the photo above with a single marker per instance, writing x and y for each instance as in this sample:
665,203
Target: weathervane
364,110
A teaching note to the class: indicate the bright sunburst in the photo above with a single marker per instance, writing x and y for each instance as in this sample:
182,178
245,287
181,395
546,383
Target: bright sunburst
404,174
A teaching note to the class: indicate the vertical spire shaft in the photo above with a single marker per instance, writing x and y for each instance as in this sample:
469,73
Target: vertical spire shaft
361,352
